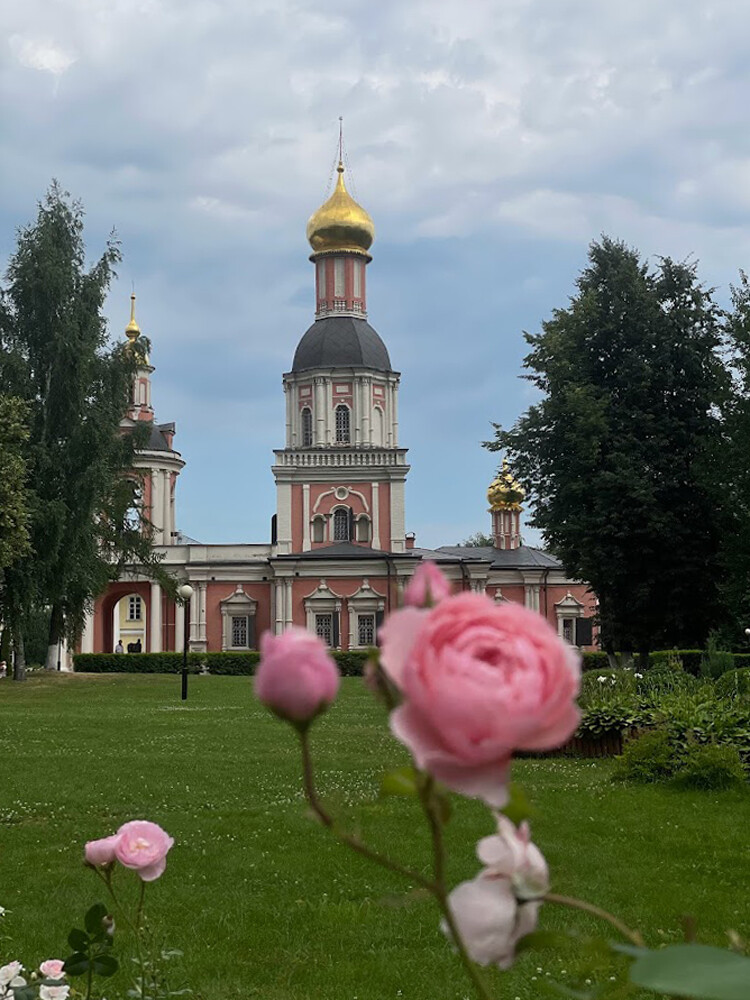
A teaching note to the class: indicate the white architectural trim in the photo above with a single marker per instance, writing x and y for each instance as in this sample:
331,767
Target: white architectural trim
375,515
155,642
237,604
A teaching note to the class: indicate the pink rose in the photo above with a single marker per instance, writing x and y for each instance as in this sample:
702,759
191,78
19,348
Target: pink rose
479,681
9,975
143,846
52,968
296,678
510,853
101,852
427,586
490,920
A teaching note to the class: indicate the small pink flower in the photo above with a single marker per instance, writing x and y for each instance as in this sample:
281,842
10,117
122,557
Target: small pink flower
54,992
510,853
143,846
296,678
479,680
101,852
427,586
490,919
52,969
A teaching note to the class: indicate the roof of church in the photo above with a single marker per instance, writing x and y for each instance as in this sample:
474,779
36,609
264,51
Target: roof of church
523,556
157,441
341,342
343,550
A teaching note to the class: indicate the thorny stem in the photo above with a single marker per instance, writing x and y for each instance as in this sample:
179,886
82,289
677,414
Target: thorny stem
435,887
596,911
426,786
346,838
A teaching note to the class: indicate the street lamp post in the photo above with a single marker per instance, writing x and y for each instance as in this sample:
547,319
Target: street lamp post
185,592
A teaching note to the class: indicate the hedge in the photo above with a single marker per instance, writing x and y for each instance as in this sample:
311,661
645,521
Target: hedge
351,663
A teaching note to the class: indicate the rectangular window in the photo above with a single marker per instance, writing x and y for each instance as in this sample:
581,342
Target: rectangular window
324,628
357,279
567,630
366,626
338,277
134,609
239,632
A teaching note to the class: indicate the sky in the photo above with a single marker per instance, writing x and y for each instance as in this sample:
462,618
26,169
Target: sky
490,140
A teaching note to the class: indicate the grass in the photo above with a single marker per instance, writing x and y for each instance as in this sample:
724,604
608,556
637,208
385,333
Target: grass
260,900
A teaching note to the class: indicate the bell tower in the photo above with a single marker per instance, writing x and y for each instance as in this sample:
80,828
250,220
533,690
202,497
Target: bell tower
505,496
340,477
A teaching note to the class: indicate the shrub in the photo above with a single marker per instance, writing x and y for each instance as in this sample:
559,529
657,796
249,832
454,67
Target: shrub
230,664
601,720
664,679
711,767
716,661
686,659
651,757
734,683
594,661
133,663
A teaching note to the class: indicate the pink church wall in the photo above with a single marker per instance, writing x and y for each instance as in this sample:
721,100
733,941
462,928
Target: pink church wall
218,592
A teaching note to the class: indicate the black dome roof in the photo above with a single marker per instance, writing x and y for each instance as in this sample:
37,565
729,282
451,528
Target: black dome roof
341,342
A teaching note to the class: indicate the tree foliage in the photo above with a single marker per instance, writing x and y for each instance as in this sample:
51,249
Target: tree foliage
478,540
618,453
14,492
75,386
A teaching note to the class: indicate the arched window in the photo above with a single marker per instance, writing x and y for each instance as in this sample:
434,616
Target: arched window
306,418
363,528
341,522
342,424
378,434
318,529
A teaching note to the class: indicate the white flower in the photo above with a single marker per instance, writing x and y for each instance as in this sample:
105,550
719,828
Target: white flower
602,679
510,853
3,911
639,676
54,992
10,972
490,919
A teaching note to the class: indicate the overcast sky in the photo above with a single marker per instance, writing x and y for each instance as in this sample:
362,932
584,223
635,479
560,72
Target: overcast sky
490,140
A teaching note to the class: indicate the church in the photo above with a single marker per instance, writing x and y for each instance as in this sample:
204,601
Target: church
339,555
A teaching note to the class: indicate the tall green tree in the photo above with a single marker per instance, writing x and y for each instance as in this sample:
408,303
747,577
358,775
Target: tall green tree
736,469
76,388
617,453
14,492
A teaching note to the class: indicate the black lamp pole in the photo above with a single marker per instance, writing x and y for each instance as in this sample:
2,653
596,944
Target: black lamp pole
185,592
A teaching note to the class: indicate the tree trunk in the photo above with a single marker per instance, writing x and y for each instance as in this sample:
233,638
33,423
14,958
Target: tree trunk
626,659
643,658
19,662
55,635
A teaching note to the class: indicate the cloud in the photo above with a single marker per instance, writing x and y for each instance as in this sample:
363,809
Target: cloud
489,141
41,55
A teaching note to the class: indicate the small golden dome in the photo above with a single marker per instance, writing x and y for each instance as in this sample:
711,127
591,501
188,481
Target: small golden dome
133,332
340,223
505,492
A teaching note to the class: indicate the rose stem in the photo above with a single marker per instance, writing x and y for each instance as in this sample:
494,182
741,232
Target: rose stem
580,904
345,838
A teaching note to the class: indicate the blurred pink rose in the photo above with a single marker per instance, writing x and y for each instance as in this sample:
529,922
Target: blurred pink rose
143,846
479,681
510,853
296,678
101,852
427,586
52,968
490,920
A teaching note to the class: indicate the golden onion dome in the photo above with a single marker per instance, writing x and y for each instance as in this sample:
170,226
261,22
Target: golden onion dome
133,332
505,492
340,223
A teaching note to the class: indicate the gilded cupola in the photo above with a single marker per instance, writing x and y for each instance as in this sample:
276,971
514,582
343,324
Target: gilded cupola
340,224
133,333
505,492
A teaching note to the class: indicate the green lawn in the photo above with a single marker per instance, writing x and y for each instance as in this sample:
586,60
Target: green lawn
259,899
